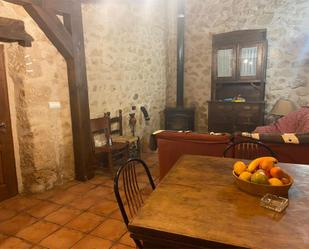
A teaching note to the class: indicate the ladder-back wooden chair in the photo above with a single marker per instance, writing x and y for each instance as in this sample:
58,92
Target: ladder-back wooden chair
117,135
129,185
248,150
105,150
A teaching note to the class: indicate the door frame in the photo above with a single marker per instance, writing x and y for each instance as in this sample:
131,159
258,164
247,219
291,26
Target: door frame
12,183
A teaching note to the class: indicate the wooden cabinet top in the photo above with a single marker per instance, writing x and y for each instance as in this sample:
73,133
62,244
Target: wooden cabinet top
198,204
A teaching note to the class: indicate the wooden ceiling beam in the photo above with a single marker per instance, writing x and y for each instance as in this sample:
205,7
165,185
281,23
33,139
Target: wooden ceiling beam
53,29
12,30
60,6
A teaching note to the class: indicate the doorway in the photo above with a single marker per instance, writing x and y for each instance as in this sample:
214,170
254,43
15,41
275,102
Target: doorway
8,180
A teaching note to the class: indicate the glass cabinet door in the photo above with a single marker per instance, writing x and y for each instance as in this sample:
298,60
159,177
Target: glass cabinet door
225,67
249,63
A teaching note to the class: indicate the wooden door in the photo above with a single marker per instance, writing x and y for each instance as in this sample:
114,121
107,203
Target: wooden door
8,181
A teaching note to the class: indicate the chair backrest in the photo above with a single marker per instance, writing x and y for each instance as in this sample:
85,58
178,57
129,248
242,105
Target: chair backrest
248,150
100,126
115,123
130,180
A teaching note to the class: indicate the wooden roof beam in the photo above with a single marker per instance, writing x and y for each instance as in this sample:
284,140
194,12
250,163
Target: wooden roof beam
12,30
60,6
53,29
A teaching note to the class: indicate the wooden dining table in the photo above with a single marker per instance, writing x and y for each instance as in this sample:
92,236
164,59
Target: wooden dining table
198,205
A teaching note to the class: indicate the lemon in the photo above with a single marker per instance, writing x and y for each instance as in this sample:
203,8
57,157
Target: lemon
246,176
275,182
239,167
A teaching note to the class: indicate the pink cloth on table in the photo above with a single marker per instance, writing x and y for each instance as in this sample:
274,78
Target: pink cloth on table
294,122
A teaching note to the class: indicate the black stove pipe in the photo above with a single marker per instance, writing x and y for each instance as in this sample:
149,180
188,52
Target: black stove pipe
180,52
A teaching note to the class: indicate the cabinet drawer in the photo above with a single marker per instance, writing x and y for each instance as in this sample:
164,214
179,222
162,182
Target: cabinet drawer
218,107
247,108
230,117
221,113
248,114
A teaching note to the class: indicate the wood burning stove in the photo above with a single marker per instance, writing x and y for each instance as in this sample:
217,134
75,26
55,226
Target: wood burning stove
180,118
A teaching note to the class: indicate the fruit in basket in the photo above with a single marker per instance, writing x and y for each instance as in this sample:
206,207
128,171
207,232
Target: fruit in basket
275,182
266,162
246,176
262,176
239,167
259,177
285,181
262,170
277,172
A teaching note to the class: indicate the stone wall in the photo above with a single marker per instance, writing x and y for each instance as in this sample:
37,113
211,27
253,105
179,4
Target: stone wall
125,44
38,75
126,64
286,22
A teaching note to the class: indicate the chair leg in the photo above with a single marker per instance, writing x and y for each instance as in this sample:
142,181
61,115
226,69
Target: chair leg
110,163
139,148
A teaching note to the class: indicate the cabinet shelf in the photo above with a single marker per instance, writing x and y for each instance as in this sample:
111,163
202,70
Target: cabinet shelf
241,82
226,102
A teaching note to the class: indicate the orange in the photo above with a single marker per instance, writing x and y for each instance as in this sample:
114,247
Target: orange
275,182
285,181
267,164
246,176
277,172
239,167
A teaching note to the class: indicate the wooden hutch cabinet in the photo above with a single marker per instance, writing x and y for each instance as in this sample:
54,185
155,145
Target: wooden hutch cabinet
238,74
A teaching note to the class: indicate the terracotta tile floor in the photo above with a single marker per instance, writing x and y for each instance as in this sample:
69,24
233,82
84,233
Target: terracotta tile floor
75,215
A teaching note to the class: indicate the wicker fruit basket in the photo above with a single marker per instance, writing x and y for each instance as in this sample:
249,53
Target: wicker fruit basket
262,189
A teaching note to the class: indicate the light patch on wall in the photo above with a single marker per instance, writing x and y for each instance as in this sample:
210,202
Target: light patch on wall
54,105
28,63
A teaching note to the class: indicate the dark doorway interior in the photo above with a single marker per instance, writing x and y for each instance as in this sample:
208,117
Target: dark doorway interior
8,180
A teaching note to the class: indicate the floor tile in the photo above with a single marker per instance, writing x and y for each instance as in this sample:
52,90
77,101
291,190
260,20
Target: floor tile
14,243
85,222
68,185
19,203
2,238
111,197
42,209
108,183
63,215
100,192
17,223
33,218
116,215
37,231
81,188
127,240
120,246
64,197
62,239
46,195
92,242
104,207
85,202
97,180
110,229
6,214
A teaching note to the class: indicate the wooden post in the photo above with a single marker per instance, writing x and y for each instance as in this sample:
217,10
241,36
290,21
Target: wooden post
69,40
